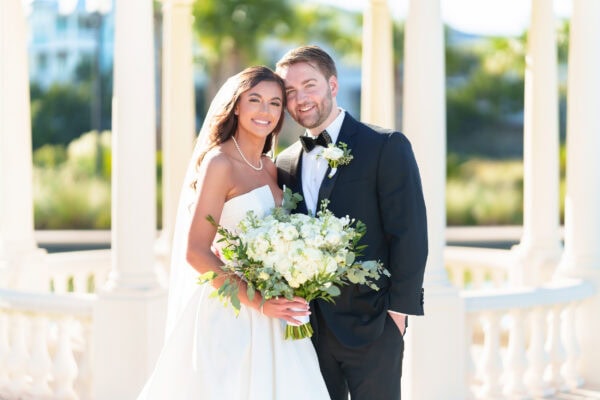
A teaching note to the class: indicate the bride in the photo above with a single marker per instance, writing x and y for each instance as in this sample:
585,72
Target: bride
209,353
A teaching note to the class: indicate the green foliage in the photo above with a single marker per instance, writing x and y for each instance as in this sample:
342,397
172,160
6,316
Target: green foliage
59,114
49,156
228,27
64,200
69,190
484,192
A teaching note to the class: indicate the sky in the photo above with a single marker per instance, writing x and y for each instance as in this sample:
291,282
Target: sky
484,17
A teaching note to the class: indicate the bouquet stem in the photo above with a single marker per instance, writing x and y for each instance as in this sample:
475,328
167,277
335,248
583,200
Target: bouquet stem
298,331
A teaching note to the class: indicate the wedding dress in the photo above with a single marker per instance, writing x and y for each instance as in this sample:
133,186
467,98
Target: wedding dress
211,354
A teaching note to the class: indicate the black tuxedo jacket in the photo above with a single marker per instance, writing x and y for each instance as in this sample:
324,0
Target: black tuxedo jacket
382,188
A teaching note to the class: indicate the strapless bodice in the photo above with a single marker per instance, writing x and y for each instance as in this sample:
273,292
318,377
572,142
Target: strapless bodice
259,200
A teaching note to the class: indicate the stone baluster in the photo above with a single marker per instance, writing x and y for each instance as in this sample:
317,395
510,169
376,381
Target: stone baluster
83,384
491,363
17,355
40,363
538,359
80,282
4,352
60,283
569,369
470,369
478,277
516,360
65,366
555,350
498,277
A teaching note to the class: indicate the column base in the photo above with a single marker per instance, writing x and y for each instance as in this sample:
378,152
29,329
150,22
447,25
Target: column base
128,336
433,368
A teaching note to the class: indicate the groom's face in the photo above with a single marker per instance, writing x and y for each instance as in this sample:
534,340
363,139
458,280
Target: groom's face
310,96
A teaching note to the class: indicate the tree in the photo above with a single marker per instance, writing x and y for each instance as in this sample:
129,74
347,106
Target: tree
234,33
59,114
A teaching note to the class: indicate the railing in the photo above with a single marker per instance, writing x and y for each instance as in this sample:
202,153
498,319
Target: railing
520,342
45,345
77,271
45,338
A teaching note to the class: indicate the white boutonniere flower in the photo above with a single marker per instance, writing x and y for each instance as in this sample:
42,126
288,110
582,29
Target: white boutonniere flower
336,156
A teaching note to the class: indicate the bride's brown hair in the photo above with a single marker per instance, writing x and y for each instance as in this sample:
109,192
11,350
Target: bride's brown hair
224,123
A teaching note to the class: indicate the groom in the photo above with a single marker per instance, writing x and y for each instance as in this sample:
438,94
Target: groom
359,338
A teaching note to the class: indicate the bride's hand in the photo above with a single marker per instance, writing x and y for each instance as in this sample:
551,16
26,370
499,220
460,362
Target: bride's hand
286,309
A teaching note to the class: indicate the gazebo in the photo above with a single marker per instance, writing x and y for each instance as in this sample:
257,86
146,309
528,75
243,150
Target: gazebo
524,326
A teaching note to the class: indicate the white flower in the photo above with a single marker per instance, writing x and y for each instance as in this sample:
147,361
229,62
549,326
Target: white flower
336,156
295,255
332,153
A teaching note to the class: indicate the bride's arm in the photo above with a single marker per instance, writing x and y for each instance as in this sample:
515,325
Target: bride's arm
214,186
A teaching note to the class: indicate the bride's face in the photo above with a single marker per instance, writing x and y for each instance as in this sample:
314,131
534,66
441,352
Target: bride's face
259,109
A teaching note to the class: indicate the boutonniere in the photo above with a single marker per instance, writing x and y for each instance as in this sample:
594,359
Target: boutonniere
336,156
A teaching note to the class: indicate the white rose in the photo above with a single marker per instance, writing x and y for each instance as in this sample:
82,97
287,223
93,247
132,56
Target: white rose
333,153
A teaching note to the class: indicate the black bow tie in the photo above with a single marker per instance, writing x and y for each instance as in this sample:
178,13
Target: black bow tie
309,143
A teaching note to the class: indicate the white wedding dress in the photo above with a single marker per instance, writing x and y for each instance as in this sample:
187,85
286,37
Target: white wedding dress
213,355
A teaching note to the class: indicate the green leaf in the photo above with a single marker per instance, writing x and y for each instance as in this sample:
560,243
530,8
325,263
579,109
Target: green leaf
333,290
250,291
207,277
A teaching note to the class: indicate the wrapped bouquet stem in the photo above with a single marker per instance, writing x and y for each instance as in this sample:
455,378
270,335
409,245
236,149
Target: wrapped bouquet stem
286,255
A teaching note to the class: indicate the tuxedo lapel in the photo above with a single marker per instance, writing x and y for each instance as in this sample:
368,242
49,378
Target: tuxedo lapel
295,168
347,131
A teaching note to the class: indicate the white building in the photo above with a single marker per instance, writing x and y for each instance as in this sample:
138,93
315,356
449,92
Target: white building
63,34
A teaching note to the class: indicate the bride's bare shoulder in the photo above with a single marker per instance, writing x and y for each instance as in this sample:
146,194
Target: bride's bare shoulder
217,159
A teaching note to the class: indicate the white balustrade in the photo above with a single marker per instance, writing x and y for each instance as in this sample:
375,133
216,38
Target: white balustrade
79,271
65,366
537,356
516,361
40,364
522,340
556,351
45,346
491,362
569,369
4,353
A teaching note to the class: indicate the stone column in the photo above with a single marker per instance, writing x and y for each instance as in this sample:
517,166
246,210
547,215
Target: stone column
178,112
581,256
130,312
540,248
377,81
434,369
21,261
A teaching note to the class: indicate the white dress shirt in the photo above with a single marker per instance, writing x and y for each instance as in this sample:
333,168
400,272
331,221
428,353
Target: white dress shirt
313,168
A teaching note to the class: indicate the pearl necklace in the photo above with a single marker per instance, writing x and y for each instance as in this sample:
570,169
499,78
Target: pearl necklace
237,146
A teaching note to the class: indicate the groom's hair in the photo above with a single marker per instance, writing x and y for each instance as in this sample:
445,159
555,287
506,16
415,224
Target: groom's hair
313,55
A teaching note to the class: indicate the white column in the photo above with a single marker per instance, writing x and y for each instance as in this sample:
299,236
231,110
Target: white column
540,248
377,81
582,212
433,369
129,316
178,122
21,261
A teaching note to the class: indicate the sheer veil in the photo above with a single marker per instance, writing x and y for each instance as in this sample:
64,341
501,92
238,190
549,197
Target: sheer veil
183,277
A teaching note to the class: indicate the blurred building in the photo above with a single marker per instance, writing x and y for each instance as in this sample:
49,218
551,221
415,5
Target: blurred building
68,34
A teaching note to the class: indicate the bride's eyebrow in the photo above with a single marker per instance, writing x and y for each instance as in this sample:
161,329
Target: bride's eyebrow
253,94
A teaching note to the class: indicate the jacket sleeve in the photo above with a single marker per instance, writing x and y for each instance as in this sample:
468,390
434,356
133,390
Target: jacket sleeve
404,220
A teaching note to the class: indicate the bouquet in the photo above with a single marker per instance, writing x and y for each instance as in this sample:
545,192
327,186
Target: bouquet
287,255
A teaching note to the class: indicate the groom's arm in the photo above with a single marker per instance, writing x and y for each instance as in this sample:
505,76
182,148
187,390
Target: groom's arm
404,223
